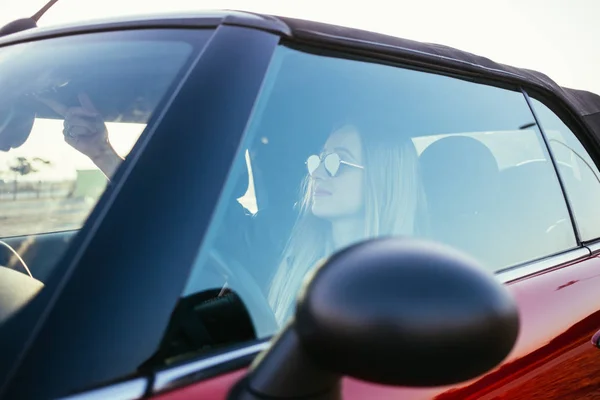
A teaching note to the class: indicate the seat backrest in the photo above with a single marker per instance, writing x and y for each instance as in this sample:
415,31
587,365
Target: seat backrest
460,177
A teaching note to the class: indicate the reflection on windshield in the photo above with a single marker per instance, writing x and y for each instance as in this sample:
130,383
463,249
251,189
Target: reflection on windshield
71,108
68,122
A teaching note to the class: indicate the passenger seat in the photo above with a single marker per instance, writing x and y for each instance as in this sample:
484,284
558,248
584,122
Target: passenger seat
460,177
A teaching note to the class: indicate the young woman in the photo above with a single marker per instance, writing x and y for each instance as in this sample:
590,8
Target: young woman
364,184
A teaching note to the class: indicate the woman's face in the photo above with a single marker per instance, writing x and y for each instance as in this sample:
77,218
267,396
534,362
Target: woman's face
342,195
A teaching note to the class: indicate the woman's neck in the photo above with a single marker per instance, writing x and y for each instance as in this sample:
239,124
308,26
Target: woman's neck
346,231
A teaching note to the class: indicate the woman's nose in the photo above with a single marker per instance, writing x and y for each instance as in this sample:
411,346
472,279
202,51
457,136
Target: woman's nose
320,173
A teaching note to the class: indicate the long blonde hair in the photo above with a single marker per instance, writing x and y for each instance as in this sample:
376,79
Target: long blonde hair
393,199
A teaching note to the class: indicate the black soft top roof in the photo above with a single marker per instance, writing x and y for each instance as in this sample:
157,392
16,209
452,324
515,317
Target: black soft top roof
584,104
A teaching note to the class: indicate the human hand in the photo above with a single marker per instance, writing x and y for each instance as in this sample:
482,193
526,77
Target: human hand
85,131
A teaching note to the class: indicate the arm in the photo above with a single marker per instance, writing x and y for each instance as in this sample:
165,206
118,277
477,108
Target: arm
108,163
86,132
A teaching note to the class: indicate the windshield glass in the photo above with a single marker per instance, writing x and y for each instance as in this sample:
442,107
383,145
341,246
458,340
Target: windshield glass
71,110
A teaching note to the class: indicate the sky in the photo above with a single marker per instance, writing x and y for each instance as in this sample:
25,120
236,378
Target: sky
556,37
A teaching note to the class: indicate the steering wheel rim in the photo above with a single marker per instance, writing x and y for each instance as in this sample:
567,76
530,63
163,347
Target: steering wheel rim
17,257
245,286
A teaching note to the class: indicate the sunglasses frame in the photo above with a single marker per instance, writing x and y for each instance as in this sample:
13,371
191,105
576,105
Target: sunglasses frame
322,161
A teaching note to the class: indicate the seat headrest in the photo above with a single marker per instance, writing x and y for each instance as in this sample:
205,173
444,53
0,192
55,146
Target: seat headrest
456,167
458,154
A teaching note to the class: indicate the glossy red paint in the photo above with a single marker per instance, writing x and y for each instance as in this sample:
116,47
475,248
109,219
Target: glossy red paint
213,388
554,357
596,339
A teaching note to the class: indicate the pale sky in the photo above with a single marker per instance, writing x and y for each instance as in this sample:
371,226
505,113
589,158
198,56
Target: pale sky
556,37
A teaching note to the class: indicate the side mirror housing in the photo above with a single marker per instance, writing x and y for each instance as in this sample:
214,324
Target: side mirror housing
394,311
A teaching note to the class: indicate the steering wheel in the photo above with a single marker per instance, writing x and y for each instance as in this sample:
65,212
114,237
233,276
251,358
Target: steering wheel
245,286
17,257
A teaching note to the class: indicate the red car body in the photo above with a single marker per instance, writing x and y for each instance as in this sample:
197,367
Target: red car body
550,346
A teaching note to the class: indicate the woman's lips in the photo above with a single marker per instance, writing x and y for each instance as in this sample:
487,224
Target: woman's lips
322,192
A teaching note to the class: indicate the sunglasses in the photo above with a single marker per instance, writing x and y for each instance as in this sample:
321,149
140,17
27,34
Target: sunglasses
331,161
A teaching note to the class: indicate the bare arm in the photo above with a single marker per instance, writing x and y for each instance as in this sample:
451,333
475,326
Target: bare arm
108,163
86,132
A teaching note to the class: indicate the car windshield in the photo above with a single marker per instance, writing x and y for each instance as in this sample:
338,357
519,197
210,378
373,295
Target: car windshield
71,110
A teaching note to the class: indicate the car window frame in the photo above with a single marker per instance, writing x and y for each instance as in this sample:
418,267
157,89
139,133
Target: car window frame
338,50
362,49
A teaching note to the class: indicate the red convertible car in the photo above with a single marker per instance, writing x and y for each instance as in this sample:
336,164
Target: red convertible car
229,205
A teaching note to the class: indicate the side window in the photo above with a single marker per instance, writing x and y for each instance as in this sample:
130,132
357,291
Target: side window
47,186
578,172
338,151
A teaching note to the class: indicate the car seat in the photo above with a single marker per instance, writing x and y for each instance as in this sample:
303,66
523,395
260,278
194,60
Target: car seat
460,178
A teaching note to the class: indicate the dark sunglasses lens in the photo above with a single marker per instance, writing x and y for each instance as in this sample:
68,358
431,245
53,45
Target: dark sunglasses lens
332,164
312,163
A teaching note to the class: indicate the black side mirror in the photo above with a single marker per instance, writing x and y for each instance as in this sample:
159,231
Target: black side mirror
15,126
394,311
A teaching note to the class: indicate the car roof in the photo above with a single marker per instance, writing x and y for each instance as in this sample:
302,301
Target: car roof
584,105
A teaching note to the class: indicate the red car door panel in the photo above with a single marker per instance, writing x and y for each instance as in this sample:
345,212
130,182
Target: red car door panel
213,388
554,357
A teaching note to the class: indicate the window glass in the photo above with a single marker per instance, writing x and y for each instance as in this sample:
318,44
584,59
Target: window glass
338,151
71,109
578,171
48,186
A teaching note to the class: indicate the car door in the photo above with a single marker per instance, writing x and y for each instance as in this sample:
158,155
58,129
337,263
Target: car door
496,187
558,296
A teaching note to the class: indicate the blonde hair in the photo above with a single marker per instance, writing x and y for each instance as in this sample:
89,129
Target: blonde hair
393,198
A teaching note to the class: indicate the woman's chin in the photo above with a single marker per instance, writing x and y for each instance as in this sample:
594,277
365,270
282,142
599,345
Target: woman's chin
321,210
